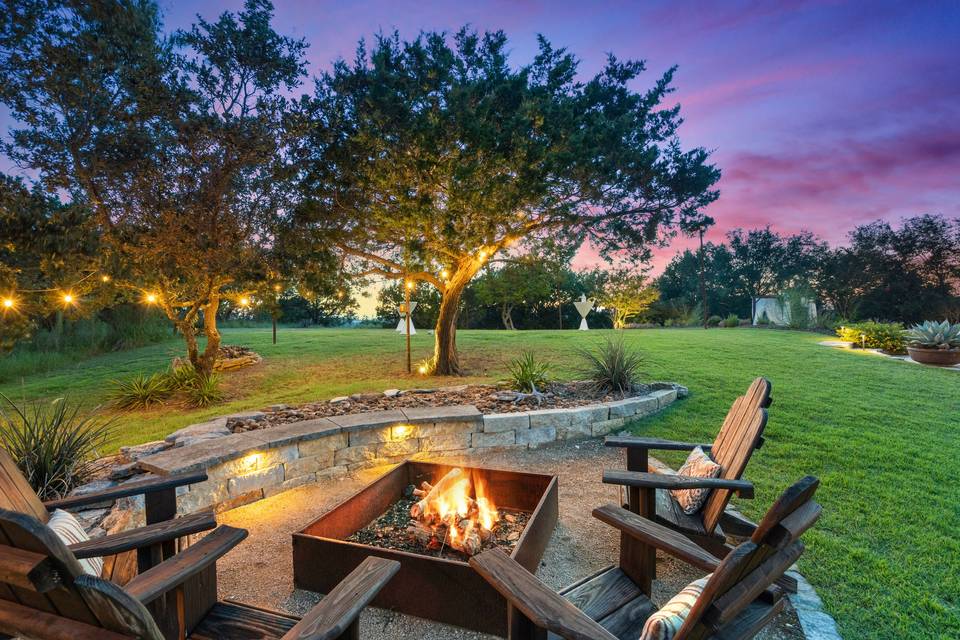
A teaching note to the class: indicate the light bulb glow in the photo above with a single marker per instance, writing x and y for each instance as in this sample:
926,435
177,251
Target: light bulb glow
151,298
422,369
8,303
409,284
68,298
244,302
444,274
105,278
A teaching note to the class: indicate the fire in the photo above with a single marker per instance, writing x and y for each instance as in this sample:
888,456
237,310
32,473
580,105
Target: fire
456,511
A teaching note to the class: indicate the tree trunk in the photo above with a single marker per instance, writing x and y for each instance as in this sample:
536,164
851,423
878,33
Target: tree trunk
209,357
446,362
506,317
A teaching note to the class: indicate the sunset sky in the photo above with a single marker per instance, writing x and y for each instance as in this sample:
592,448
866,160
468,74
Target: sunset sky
821,115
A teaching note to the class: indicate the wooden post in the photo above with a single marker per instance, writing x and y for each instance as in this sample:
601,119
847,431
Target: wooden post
406,308
274,318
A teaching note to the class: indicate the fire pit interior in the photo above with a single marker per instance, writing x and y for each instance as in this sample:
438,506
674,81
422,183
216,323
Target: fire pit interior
431,518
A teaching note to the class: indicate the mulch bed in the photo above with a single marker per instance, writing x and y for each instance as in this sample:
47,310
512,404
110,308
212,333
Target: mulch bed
390,532
488,398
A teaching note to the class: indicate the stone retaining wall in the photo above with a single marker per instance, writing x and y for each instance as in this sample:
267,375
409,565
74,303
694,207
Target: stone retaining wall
245,467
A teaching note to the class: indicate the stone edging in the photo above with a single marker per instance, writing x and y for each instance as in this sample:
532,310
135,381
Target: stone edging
252,465
817,624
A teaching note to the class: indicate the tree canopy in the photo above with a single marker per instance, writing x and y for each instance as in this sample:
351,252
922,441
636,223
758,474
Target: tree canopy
425,158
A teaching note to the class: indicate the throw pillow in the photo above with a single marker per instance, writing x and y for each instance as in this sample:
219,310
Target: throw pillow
664,624
698,465
69,530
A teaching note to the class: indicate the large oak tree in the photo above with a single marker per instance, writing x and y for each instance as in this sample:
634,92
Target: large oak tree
424,159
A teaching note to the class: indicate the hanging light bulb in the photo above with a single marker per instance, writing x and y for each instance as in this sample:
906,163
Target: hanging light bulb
409,284
68,298
244,301
8,303
150,298
105,278
445,274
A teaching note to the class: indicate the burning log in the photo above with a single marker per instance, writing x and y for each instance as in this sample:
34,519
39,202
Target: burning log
447,514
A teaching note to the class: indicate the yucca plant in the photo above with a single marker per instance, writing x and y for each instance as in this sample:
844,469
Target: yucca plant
55,444
934,335
204,390
528,373
141,391
612,367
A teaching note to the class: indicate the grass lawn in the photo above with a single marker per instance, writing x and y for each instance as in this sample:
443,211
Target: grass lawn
882,436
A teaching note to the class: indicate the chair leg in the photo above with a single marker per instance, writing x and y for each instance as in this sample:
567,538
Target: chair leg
520,627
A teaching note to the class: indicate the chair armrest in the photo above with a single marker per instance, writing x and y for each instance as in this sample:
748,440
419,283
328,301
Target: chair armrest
340,608
743,488
656,535
543,606
171,573
145,536
637,442
130,489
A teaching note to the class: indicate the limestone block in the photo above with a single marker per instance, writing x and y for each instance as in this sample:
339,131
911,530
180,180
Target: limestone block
495,422
292,483
534,437
445,443
351,455
370,436
496,439
549,418
304,466
257,480
322,445
604,427
398,448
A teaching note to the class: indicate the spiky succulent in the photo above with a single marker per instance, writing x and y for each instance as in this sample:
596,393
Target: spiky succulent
934,335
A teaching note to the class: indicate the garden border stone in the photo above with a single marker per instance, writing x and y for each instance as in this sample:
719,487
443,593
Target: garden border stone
249,465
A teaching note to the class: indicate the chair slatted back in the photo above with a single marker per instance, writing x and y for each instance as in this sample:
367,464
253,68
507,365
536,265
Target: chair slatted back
16,494
738,437
75,598
755,565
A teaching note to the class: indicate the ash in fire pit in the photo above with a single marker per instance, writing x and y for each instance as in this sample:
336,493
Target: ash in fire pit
452,519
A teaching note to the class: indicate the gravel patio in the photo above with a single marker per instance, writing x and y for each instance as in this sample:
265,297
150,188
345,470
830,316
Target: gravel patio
259,571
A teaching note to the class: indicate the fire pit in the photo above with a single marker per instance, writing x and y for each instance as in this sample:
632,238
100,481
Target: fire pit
455,512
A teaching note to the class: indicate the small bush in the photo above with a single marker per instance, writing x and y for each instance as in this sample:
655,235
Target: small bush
141,391
612,367
886,336
204,390
55,445
731,321
714,321
763,320
528,373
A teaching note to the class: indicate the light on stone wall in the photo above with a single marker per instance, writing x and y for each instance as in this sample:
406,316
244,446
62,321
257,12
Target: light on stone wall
251,462
401,431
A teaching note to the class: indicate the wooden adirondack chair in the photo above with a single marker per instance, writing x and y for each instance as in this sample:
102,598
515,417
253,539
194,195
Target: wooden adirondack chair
45,596
739,599
127,552
649,481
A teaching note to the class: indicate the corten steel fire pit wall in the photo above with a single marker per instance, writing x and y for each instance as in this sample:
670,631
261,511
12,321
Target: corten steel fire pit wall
434,588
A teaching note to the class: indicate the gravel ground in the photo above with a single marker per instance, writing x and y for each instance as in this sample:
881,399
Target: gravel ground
259,571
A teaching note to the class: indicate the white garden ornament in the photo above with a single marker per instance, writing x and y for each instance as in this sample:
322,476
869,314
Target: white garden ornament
402,325
584,305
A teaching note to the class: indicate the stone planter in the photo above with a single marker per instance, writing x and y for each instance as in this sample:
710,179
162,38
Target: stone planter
935,357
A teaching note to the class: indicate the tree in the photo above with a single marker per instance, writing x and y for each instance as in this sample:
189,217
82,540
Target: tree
679,281
425,159
174,145
628,294
518,282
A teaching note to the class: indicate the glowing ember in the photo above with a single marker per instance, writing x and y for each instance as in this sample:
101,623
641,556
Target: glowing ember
456,512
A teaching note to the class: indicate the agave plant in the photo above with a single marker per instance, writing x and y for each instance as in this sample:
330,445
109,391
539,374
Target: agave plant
934,335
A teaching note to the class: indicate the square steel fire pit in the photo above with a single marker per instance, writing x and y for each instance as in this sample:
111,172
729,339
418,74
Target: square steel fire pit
438,589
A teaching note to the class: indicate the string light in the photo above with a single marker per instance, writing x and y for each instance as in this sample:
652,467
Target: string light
151,298
445,274
409,284
340,293
8,303
483,254
277,288
244,302
68,298
105,278
422,369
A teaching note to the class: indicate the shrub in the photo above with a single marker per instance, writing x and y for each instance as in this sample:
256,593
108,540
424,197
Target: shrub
141,391
54,444
886,336
731,321
714,321
612,367
763,320
204,390
528,373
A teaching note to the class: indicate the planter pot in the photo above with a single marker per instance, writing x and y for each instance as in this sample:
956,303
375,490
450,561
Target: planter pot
936,357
